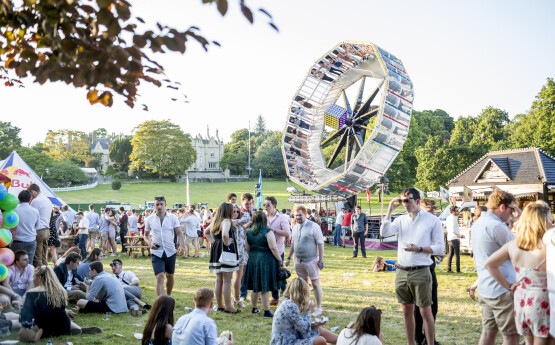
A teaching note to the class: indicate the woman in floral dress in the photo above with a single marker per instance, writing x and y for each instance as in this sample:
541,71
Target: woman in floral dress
527,254
243,257
292,324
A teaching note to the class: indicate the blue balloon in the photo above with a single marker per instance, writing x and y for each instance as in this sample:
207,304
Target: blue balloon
3,191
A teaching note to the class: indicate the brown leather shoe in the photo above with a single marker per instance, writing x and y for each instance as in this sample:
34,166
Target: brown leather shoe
274,302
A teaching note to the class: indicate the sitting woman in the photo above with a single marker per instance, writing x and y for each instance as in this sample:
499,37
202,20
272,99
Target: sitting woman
43,313
292,323
380,264
365,330
159,327
62,259
95,255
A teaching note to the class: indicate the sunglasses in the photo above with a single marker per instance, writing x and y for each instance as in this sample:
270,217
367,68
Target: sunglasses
159,198
404,201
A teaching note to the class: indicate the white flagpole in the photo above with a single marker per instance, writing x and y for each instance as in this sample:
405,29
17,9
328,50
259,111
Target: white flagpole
188,203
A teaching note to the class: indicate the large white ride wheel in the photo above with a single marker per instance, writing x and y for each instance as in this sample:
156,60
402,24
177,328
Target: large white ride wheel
340,149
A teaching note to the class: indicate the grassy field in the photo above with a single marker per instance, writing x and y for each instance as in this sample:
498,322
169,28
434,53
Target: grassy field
348,287
212,193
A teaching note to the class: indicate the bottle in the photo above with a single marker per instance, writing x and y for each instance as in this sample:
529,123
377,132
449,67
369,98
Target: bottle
49,342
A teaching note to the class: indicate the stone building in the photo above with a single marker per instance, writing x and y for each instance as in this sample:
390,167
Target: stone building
102,147
209,151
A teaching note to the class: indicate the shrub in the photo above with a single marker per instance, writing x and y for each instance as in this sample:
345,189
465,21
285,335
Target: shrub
116,184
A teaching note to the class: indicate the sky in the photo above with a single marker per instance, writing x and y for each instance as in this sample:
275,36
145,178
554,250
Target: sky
462,57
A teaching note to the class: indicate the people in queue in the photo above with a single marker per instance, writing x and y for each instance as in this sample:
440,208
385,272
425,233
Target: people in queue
105,294
420,236
261,273
292,323
163,225
307,244
20,273
365,330
222,233
527,253
279,225
68,277
489,234
159,326
83,268
43,313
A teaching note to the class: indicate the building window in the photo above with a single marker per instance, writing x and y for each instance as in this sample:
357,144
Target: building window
212,155
212,165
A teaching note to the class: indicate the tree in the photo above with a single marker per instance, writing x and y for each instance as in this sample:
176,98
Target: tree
161,147
39,162
97,45
65,144
268,157
116,184
120,150
260,126
110,171
39,147
100,133
92,162
66,171
9,139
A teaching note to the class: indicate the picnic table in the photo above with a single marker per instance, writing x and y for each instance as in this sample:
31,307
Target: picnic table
66,243
136,242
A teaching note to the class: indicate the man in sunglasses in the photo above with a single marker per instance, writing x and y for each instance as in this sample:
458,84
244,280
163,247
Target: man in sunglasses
163,224
489,233
420,236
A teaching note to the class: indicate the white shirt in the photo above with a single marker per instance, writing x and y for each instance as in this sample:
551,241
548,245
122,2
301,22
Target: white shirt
452,225
339,218
44,206
126,278
424,231
162,233
190,225
346,338
68,285
84,223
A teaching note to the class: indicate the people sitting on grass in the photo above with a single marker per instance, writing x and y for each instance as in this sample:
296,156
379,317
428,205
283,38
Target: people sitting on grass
365,330
95,255
292,322
130,284
105,294
380,264
21,273
44,314
62,259
8,297
196,327
68,277
159,326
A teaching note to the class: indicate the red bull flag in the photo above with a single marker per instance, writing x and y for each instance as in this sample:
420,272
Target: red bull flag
22,176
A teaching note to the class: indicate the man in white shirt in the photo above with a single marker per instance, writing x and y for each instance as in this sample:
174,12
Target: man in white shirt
420,235
163,254
489,233
44,206
94,223
133,222
337,232
83,233
453,238
190,224
131,288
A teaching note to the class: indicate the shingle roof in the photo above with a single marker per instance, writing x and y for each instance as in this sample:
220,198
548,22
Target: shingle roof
104,143
522,166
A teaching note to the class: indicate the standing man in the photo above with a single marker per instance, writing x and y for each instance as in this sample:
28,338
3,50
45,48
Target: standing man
308,247
83,233
337,232
280,227
453,238
190,226
68,216
420,236
25,235
103,230
163,225
44,206
133,222
123,228
489,233
359,226
94,222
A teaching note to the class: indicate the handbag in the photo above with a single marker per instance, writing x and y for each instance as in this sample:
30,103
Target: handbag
230,255
284,274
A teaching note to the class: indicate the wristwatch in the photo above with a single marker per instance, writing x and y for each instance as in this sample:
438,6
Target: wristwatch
420,250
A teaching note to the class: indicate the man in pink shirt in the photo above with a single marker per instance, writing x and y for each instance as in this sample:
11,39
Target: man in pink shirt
21,273
279,224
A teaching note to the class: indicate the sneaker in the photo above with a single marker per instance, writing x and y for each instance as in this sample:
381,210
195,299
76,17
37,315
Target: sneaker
203,247
112,254
268,314
138,312
317,312
255,310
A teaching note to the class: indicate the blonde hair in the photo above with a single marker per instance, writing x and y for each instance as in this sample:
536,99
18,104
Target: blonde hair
499,198
56,295
377,260
203,297
298,292
531,226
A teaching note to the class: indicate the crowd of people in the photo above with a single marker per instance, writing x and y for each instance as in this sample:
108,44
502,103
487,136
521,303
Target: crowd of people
251,250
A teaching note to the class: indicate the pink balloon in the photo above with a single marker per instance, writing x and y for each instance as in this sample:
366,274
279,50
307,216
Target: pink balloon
7,256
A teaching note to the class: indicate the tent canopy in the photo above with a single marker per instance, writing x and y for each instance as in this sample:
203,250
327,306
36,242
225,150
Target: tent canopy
22,176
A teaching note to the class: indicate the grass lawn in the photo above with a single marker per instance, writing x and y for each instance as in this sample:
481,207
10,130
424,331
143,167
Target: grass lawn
212,193
348,287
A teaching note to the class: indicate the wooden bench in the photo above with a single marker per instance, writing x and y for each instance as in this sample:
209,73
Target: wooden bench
135,243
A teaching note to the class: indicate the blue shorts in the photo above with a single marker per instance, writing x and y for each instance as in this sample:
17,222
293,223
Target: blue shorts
163,264
345,230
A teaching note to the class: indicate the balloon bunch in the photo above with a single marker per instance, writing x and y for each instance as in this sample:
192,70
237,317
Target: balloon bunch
9,219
